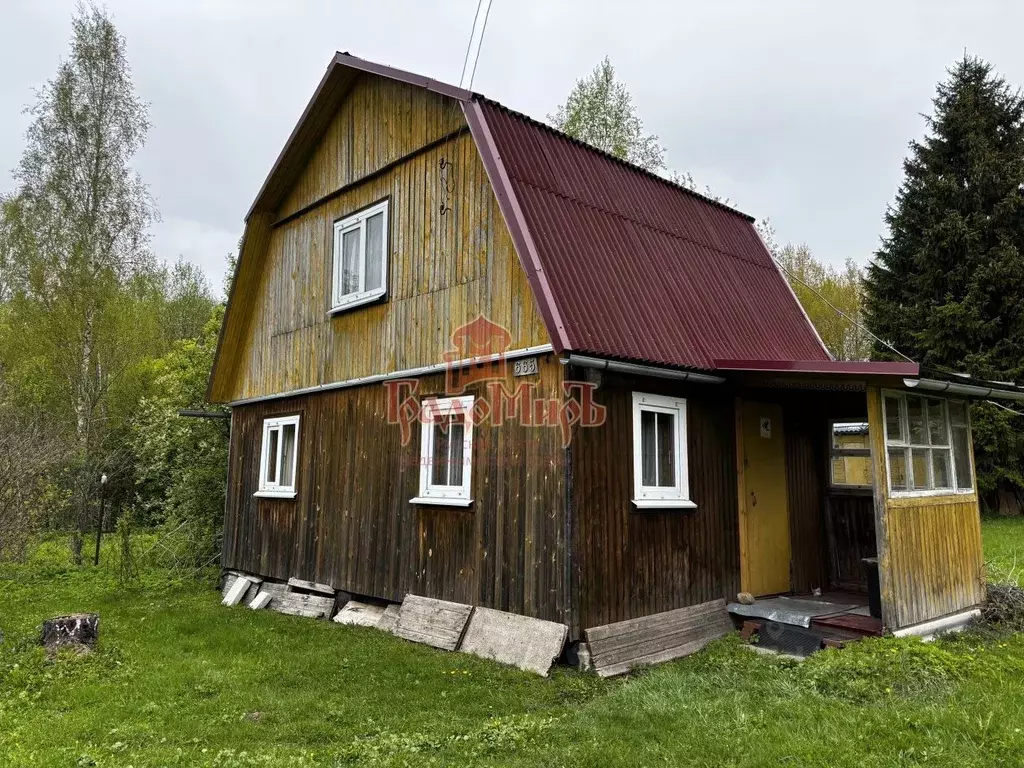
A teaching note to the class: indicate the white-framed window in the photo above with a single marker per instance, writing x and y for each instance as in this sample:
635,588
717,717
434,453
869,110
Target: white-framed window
927,445
446,451
659,453
849,454
360,266
279,457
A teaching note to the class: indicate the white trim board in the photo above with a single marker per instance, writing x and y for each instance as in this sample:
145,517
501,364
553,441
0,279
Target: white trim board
408,373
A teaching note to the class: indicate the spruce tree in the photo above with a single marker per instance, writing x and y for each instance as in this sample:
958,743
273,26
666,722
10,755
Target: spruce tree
947,285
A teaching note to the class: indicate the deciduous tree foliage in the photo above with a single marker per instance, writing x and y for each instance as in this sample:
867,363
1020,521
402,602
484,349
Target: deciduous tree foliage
947,285
600,111
84,305
831,298
182,462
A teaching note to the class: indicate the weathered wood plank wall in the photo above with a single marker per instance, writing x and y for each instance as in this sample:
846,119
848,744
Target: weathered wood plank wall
352,526
443,269
807,416
929,548
806,459
633,563
852,522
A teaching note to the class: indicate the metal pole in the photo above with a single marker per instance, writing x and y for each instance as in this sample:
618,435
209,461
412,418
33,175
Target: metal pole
99,524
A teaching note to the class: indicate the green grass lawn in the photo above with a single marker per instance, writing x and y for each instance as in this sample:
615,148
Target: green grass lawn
181,681
1003,539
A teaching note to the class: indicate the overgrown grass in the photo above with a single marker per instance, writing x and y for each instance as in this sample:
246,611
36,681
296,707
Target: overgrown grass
1003,539
180,681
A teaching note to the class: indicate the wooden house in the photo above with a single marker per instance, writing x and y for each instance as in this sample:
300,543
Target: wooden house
471,358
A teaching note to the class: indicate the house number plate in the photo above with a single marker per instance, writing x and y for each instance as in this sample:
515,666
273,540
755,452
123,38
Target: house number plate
525,367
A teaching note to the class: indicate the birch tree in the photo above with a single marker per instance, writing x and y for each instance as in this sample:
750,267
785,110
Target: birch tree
600,112
76,229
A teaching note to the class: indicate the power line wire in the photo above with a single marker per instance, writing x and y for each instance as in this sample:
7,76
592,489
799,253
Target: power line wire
480,44
469,43
817,293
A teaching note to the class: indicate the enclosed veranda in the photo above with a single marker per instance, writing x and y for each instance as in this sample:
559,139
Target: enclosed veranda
857,494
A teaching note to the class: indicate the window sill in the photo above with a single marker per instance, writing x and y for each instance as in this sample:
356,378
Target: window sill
357,301
275,494
440,502
923,494
664,504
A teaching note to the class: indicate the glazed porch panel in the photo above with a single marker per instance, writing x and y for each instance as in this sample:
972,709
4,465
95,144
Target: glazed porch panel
929,546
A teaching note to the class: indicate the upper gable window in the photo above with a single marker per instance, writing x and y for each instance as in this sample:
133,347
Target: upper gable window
360,257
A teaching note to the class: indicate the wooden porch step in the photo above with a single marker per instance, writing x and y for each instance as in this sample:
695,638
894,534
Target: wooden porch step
858,624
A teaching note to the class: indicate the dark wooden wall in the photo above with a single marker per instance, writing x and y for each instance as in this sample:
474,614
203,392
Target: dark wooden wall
851,517
352,525
806,481
632,563
814,553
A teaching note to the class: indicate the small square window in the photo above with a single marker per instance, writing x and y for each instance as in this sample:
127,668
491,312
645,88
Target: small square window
279,457
446,451
851,455
360,262
659,452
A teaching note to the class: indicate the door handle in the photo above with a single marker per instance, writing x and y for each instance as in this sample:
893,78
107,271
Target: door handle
753,499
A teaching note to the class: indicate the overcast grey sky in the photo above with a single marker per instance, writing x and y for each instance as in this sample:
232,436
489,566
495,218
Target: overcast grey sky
798,111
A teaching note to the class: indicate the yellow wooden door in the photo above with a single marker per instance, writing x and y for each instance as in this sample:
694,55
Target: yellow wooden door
763,503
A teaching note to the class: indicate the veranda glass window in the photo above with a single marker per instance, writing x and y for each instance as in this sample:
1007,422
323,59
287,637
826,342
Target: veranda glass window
928,444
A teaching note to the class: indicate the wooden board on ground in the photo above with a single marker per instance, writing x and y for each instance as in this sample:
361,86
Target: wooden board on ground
311,586
521,641
262,600
389,620
620,647
357,614
297,604
435,622
235,589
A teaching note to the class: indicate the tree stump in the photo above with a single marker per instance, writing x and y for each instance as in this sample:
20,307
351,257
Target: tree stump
80,630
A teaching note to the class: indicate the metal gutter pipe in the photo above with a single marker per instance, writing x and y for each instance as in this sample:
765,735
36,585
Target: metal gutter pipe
600,364
968,390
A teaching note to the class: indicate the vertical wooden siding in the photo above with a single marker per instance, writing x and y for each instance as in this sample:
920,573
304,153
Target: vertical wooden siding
379,122
930,556
806,456
443,270
633,563
852,533
352,526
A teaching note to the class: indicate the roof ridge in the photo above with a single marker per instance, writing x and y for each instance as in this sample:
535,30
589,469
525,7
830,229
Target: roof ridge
615,158
645,225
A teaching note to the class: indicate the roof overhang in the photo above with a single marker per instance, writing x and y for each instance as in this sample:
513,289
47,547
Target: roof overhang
827,367
844,375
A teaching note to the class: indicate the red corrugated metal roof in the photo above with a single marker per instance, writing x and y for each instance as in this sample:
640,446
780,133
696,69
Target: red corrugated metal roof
632,266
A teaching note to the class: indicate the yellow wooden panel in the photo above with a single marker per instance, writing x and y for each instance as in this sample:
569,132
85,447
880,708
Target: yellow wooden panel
443,269
935,558
379,122
764,506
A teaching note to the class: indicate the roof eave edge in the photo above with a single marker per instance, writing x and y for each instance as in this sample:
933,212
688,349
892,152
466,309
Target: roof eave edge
515,220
